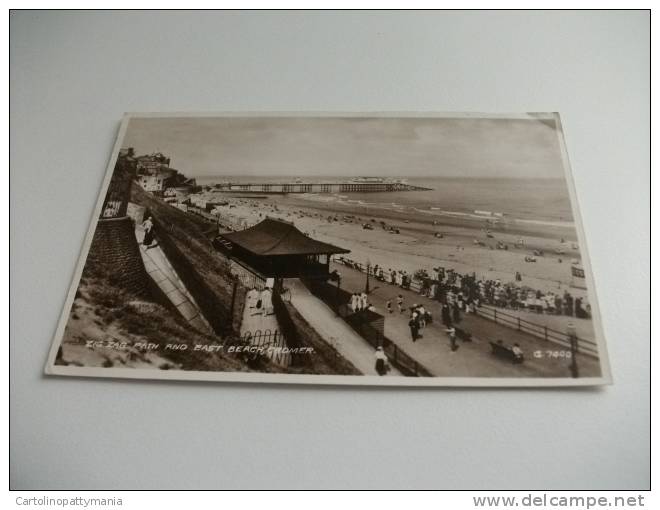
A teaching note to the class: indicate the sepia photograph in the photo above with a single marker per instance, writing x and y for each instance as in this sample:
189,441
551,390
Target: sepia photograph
378,249
342,249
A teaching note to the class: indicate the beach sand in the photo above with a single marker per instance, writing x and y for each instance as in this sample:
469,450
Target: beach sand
415,247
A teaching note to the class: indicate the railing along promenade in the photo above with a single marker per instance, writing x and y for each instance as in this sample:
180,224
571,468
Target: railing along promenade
498,316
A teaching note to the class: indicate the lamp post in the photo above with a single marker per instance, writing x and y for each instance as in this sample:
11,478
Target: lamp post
366,285
572,337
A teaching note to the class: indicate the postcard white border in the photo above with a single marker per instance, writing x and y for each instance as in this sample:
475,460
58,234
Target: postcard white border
362,380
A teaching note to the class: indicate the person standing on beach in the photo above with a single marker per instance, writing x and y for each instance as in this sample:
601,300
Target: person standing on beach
399,303
388,306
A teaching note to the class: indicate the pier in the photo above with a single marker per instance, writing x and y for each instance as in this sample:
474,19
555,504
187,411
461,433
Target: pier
317,187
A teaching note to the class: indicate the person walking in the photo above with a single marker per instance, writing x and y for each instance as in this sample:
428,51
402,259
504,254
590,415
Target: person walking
388,306
364,301
382,363
354,302
414,314
399,303
446,315
422,316
451,333
414,328
457,313
148,227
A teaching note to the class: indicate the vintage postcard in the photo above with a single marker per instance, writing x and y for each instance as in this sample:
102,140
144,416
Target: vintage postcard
377,249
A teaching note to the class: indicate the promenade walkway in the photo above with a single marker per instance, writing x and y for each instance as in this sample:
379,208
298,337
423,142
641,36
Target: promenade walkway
163,274
334,330
472,359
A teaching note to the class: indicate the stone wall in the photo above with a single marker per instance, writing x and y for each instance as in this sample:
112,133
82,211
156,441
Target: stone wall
115,255
299,333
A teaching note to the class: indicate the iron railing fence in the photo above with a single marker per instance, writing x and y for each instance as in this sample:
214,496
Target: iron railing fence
274,343
548,334
585,345
369,325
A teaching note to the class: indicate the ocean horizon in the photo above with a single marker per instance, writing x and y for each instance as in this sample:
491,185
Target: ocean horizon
525,199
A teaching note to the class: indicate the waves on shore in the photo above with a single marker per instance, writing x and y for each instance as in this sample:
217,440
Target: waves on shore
430,212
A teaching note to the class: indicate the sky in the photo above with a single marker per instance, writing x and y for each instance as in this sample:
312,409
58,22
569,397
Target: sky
345,146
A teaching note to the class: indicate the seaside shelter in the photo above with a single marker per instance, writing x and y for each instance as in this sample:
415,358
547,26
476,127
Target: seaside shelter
275,248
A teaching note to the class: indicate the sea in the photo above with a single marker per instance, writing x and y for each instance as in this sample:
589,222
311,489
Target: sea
533,201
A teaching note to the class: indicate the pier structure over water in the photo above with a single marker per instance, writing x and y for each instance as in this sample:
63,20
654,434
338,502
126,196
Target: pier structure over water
317,187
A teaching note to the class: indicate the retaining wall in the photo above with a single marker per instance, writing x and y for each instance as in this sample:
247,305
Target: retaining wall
216,306
299,333
115,255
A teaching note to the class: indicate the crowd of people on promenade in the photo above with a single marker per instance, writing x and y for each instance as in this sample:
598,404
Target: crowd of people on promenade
360,301
420,317
464,292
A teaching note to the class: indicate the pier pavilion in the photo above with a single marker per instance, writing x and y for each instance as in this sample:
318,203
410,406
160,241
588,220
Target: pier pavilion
275,248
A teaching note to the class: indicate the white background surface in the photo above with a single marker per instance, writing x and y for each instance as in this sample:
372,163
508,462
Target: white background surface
72,77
